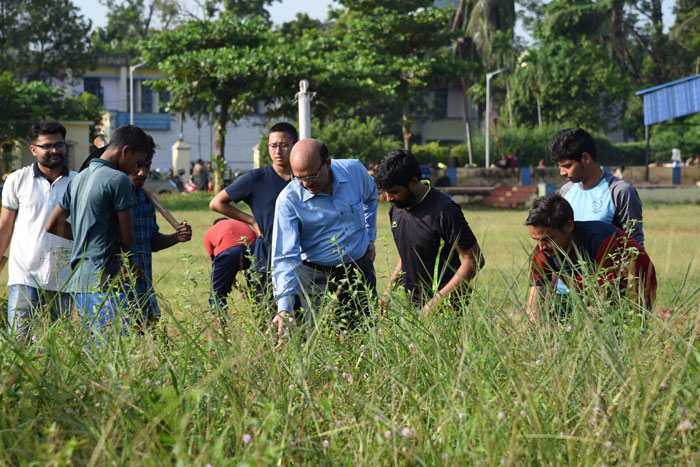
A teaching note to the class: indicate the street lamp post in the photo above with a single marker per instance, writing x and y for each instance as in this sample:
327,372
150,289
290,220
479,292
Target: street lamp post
488,110
131,91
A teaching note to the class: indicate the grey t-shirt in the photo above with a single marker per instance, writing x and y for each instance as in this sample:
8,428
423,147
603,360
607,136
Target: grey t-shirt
612,200
93,198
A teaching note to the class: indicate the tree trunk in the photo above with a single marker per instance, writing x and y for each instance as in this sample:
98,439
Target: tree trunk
467,123
219,162
510,107
539,111
405,123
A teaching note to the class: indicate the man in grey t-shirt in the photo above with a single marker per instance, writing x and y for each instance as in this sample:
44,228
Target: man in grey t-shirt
593,194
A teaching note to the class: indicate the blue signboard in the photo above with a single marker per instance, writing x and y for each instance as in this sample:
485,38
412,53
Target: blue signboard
145,121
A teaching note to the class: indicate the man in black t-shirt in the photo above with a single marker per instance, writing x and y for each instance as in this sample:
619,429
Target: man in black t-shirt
438,253
259,189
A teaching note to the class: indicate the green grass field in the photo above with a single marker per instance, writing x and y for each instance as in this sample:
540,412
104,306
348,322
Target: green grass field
473,385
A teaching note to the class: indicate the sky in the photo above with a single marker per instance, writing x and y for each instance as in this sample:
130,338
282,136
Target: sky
286,10
280,12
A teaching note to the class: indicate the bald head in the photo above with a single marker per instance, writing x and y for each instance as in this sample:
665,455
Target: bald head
307,151
311,166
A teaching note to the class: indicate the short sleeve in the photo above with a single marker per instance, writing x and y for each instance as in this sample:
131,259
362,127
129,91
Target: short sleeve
121,192
241,188
65,202
455,228
9,193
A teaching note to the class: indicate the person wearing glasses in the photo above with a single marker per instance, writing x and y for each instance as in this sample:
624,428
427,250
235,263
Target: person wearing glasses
38,267
323,238
258,189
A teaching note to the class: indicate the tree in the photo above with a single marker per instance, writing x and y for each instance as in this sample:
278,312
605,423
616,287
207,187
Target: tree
129,22
43,39
405,43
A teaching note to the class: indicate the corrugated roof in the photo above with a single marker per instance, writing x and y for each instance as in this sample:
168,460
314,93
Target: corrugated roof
671,100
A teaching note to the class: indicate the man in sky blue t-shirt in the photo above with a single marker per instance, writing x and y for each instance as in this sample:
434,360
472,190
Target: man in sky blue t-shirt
593,194
259,189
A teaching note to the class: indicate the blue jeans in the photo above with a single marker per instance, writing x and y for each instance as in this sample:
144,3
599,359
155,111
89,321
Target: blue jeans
223,273
100,310
25,303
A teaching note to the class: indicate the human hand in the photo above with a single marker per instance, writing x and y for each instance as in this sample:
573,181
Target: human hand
184,232
256,229
383,304
280,319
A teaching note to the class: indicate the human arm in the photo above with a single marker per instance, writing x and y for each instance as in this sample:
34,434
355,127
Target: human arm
7,226
534,296
393,279
183,233
222,204
628,210
58,223
126,228
472,261
286,258
369,204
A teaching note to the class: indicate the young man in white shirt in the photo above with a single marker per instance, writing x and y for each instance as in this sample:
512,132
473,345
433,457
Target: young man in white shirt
38,266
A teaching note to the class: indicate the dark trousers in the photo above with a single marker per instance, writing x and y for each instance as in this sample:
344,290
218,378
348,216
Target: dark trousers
354,285
223,272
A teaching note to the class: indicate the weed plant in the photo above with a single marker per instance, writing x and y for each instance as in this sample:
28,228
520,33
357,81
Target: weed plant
474,383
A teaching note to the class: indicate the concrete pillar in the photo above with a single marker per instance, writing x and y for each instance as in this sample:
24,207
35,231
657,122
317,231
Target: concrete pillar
124,89
256,156
181,159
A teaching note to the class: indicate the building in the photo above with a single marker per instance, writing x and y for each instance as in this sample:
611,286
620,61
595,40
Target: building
110,82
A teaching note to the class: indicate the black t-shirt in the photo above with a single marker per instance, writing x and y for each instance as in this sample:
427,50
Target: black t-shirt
435,226
259,189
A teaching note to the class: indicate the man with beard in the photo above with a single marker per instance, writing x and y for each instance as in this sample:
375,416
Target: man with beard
430,233
39,262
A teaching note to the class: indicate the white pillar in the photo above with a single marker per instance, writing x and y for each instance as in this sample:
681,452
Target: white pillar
304,97
181,159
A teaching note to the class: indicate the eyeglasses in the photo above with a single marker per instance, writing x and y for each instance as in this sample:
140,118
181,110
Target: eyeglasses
308,177
48,147
280,146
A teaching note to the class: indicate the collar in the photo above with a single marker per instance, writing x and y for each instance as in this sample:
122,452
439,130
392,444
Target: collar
339,176
104,162
38,173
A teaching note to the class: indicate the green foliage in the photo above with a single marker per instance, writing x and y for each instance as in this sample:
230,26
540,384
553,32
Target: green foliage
43,39
25,103
351,138
473,384
431,153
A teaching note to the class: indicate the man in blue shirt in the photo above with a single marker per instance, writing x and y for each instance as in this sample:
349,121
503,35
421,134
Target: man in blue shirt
259,189
324,231
593,194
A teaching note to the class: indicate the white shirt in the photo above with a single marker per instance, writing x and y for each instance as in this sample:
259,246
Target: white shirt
37,258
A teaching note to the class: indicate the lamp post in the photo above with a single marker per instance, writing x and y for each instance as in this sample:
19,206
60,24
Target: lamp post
131,91
488,110
304,97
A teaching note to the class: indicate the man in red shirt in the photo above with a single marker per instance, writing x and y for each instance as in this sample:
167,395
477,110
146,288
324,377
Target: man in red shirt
566,250
227,243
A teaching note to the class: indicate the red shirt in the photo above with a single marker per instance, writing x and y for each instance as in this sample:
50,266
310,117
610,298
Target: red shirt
607,250
225,234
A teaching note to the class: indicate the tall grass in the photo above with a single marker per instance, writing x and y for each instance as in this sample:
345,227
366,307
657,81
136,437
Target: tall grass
475,383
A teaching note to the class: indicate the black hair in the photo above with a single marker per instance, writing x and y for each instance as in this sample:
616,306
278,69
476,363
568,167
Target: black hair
284,127
397,168
220,219
570,144
46,127
551,211
131,135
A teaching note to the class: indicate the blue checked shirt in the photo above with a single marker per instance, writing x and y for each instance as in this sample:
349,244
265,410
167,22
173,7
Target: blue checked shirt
145,228
324,229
